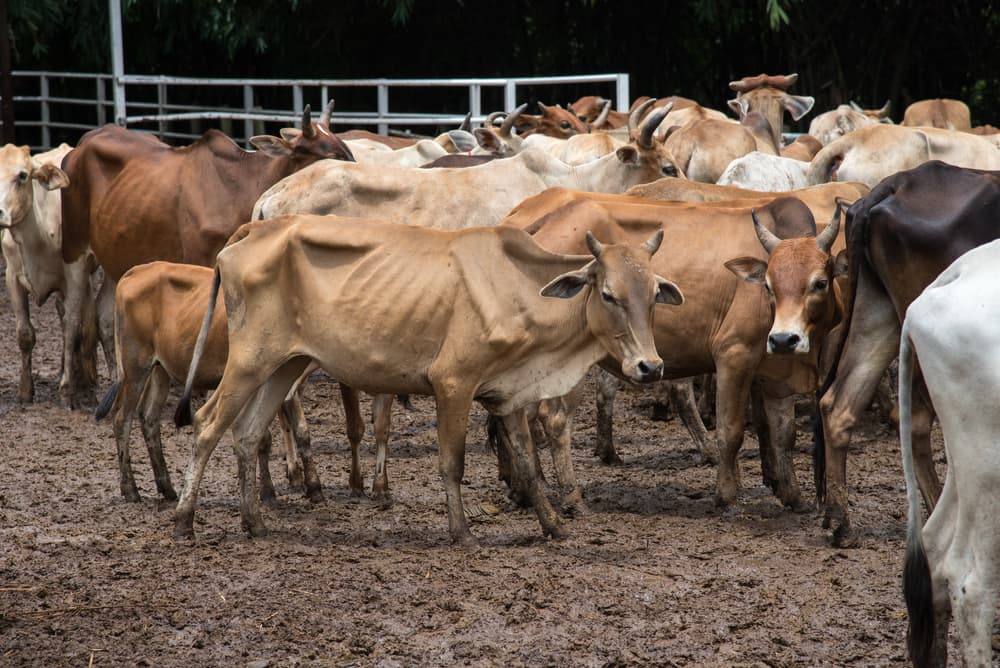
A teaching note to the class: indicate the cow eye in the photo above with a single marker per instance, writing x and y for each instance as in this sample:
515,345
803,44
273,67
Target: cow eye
564,125
22,176
669,170
820,284
608,297
582,118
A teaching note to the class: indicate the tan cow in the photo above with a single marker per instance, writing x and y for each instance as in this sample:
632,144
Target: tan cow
459,198
846,118
30,216
769,95
725,325
596,111
462,316
938,113
159,309
871,154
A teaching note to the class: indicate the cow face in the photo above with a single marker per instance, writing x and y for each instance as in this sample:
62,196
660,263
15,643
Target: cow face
314,141
647,153
553,122
623,291
799,280
18,174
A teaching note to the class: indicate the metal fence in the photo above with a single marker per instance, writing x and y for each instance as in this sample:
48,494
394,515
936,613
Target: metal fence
51,107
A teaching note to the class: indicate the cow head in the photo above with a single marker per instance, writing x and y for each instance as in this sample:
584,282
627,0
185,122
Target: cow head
314,141
623,291
769,95
18,176
553,122
877,115
799,280
588,108
832,125
646,153
499,141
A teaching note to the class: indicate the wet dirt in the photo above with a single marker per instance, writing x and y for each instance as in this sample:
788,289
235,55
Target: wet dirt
654,575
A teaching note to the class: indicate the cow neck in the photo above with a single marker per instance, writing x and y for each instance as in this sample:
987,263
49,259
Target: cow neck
40,250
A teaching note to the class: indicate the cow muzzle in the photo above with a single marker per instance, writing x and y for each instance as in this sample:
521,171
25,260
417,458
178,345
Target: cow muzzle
787,342
647,370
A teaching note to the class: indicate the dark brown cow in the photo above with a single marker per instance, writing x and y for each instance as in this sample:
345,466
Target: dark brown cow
900,237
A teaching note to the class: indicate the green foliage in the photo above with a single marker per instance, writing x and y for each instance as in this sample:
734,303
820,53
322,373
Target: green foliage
776,14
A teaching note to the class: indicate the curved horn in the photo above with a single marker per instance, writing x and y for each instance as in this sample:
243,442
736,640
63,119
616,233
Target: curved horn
324,119
652,244
650,124
466,123
855,106
602,117
638,113
594,245
767,238
307,127
884,111
783,82
491,119
825,239
512,117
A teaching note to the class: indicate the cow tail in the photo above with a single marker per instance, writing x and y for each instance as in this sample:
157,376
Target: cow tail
917,585
104,407
824,164
498,441
182,416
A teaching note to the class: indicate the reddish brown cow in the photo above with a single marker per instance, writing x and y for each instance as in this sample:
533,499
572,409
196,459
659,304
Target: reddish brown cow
553,122
133,199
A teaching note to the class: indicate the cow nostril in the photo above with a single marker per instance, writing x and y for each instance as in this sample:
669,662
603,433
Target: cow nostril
649,370
783,342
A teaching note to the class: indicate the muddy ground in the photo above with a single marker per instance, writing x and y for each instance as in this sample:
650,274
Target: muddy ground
654,575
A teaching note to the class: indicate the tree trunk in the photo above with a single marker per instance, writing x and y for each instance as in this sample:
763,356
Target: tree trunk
6,78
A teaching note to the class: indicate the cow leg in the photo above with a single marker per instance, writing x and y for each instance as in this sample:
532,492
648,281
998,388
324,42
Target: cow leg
79,304
154,397
129,396
972,579
355,432
381,414
106,322
25,332
938,536
706,399
452,424
776,436
294,419
293,462
662,400
524,461
263,453
557,422
682,397
923,456
607,388
250,428
871,345
730,406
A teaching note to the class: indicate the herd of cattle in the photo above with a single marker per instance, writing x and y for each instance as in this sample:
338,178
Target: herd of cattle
499,264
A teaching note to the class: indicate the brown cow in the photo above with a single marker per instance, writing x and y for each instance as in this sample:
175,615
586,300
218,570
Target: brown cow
938,113
769,95
596,111
553,122
159,308
725,324
132,199
462,316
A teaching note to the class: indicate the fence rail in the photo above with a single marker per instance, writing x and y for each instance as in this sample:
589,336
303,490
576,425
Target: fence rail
56,105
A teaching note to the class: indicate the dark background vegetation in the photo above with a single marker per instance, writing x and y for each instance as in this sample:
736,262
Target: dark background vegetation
863,50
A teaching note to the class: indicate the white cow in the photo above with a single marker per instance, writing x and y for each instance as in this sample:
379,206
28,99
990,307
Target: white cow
952,329
30,219
761,171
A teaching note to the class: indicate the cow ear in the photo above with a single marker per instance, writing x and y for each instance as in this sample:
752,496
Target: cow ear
750,269
628,155
50,177
271,145
290,134
840,266
487,139
566,285
797,105
667,292
462,140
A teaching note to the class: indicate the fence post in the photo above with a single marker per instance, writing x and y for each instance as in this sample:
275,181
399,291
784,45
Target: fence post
44,94
102,116
297,104
247,107
161,104
622,93
476,100
509,96
383,108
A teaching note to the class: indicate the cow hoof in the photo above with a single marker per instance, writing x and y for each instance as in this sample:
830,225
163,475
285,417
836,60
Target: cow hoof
269,499
256,531
709,457
557,532
611,459
315,495
466,541
575,506
25,396
183,532
844,536
296,478
131,496
168,494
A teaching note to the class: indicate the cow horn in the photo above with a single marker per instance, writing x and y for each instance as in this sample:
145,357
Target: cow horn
855,106
825,239
651,123
638,113
884,111
307,127
768,239
594,245
466,123
652,244
324,119
491,119
783,82
602,117
509,121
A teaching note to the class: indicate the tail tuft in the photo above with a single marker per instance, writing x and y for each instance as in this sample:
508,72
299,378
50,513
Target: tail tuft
107,402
